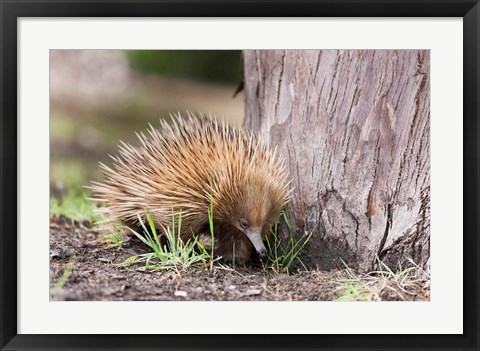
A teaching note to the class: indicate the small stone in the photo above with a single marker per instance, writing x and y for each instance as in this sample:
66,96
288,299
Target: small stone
251,292
180,293
232,287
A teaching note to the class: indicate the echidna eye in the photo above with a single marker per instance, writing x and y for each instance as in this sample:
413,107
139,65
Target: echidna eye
243,223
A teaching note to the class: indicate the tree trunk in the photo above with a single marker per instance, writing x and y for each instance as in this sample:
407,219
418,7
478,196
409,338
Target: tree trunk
354,127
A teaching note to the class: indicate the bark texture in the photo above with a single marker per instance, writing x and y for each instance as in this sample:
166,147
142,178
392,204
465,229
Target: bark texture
354,127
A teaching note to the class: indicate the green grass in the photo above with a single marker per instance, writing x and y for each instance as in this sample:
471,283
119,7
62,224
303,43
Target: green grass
114,239
383,284
174,255
74,205
179,256
354,292
284,254
64,278
210,226
351,288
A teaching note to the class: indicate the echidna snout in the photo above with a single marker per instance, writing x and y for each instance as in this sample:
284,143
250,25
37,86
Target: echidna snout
255,236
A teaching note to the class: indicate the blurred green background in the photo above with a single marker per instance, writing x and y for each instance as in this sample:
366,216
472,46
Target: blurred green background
204,65
98,97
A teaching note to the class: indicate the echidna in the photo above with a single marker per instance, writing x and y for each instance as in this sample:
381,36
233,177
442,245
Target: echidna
190,165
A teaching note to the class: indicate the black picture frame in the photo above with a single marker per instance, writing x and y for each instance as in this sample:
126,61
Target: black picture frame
12,10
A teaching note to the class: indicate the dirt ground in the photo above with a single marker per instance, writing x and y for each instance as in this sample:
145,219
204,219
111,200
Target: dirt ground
96,275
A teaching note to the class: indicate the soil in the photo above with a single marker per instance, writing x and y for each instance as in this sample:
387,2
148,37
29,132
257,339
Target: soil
96,275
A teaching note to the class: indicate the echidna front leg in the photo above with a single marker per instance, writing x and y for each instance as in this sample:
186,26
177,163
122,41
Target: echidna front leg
230,243
238,250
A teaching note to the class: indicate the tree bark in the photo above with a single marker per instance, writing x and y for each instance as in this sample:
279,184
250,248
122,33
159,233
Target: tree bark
354,128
